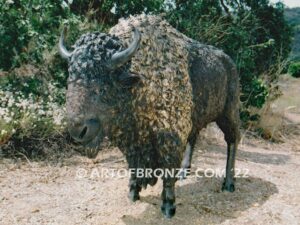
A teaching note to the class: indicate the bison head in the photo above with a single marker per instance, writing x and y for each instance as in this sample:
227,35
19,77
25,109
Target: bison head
97,63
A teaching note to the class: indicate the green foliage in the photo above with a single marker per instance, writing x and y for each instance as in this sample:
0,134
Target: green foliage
195,18
254,93
293,17
294,69
246,116
26,29
109,11
30,28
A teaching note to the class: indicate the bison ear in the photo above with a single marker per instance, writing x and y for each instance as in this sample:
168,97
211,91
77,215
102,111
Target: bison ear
128,80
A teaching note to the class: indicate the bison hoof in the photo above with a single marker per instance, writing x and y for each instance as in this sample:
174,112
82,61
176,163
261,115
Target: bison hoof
228,187
134,196
168,210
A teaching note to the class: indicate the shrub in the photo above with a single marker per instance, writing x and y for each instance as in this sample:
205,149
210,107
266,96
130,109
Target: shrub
28,29
294,69
30,113
28,110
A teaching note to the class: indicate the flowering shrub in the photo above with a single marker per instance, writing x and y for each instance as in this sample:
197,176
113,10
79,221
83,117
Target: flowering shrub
27,112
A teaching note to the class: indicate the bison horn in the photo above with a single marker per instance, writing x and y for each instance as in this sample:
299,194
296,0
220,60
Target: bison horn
119,58
62,49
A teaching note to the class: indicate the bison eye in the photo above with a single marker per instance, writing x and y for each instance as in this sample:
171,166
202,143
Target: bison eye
128,80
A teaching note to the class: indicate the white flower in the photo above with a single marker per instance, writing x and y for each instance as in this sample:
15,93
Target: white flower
9,2
3,132
64,5
3,111
41,112
7,119
10,103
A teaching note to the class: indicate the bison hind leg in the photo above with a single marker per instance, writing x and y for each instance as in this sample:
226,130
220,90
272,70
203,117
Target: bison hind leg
229,124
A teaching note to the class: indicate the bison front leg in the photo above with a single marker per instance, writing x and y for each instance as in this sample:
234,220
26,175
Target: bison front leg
134,188
168,207
170,149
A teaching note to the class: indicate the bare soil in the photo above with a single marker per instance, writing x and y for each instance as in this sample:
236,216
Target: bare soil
72,191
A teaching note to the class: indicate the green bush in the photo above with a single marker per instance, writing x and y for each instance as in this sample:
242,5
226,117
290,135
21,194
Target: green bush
26,30
294,69
29,108
29,29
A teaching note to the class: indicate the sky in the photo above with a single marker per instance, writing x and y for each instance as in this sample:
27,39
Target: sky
289,3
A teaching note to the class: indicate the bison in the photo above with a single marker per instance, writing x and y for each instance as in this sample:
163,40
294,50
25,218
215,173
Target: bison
151,96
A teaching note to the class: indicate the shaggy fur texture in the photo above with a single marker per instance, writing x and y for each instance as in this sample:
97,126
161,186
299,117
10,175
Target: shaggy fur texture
162,103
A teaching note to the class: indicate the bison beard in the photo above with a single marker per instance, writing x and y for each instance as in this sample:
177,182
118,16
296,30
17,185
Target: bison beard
159,97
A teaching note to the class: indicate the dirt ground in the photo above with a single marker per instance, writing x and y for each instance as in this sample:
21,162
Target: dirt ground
75,191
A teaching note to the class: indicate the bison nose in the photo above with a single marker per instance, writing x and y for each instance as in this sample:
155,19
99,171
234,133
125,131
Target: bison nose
83,130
